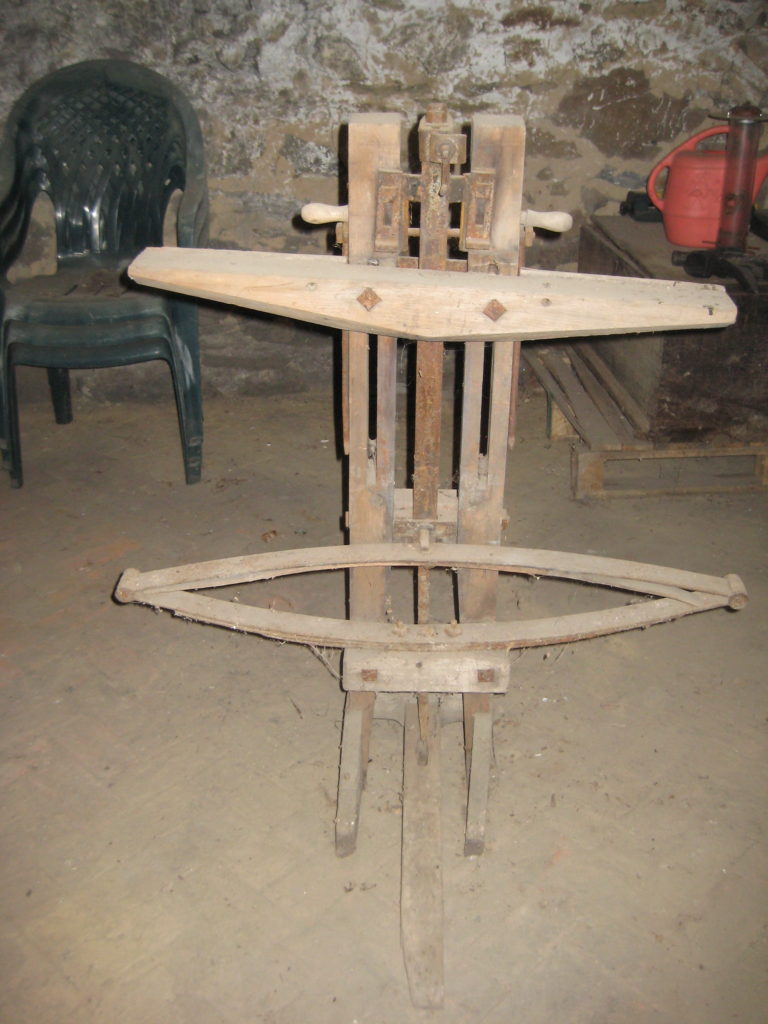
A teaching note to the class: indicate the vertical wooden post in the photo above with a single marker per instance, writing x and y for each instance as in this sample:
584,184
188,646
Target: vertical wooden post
375,144
498,146
421,877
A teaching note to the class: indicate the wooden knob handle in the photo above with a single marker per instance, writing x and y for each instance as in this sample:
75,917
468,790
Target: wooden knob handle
322,213
738,598
551,220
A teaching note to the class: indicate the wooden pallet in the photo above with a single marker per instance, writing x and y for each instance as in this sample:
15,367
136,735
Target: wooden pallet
612,456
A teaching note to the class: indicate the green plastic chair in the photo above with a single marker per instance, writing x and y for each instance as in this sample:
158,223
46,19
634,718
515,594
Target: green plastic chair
109,142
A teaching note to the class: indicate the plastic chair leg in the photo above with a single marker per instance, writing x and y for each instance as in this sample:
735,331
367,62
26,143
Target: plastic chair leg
61,396
12,455
189,404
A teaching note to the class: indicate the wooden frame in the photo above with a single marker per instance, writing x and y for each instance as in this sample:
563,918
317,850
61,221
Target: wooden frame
432,304
382,291
677,593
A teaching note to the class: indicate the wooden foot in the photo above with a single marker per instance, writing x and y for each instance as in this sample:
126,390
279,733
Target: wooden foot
355,740
421,892
478,738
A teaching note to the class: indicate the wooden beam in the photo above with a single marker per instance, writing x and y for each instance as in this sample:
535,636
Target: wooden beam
376,142
478,749
642,577
434,305
421,880
498,145
353,766
679,593
415,672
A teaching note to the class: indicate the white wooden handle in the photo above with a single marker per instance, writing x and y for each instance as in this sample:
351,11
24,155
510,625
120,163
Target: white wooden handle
322,213
551,220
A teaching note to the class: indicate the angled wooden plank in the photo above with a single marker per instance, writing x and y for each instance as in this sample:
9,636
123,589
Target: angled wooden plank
552,366
434,305
478,747
421,880
353,765
603,402
625,401
556,394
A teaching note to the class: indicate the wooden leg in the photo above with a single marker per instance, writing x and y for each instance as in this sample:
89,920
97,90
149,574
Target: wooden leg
355,740
478,737
421,885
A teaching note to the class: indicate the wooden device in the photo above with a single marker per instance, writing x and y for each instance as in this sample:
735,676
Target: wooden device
431,255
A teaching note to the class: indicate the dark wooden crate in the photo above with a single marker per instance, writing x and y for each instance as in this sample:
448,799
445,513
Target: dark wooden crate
689,385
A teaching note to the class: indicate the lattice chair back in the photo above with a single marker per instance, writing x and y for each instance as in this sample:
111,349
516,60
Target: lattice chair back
109,142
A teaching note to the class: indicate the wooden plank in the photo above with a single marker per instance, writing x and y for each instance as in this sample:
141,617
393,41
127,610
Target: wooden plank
421,882
368,505
553,388
345,391
268,565
552,366
426,456
477,589
498,145
353,765
486,636
603,402
412,672
376,142
386,414
668,470
558,427
503,363
514,395
430,304
371,499
478,744
482,476
625,401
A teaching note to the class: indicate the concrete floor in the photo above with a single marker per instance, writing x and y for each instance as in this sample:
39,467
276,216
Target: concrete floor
167,821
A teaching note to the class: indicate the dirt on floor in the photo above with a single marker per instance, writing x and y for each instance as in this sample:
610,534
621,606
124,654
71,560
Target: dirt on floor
169,788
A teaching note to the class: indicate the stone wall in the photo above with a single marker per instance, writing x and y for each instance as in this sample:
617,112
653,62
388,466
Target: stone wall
606,88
